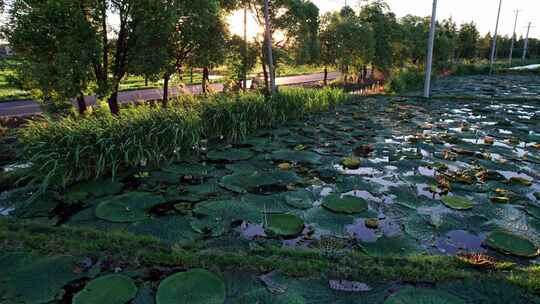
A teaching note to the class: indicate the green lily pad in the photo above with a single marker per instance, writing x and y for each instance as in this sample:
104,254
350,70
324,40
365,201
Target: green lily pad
457,202
216,216
412,295
127,208
94,189
351,162
510,244
195,170
31,279
301,199
534,211
537,195
307,157
197,286
520,181
109,289
257,181
346,204
286,225
230,155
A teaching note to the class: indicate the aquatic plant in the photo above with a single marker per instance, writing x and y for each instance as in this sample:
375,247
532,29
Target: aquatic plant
197,286
109,289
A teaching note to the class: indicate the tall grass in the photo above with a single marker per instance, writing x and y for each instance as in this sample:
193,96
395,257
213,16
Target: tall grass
70,149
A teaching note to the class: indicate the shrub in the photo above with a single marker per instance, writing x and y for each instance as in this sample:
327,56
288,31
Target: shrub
71,149
405,81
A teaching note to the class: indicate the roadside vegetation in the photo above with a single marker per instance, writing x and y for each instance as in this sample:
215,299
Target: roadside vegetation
302,195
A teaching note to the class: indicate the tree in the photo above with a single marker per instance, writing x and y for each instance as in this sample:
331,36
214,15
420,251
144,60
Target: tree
238,61
384,25
57,60
468,38
346,41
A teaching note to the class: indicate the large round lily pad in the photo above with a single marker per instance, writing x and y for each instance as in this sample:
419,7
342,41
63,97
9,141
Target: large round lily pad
346,204
230,155
534,211
128,208
457,202
510,244
301,199
257,181
423,296
297,156
286,225
94,188
109,289
197,286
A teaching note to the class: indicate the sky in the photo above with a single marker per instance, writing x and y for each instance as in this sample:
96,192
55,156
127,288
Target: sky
482,12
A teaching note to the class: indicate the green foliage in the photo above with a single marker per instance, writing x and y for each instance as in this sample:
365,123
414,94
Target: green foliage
285,225
346,204
197,286
512,244
127,208
423,296
457,202
405,81
80,148
109,289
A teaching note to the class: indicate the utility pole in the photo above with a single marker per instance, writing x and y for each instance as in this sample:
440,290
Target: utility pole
513,41
526,46
245,51
269,45
494,44
431,43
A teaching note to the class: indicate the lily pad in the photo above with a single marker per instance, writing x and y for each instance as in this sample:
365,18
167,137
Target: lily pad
301,199
297,156
423,296
230,155
534,211
286,225
510,244
109,289
195,170
215,217
31,279
457,202
258,181
520,181
351,162
127,208
537,195
94,189
197,286
346,204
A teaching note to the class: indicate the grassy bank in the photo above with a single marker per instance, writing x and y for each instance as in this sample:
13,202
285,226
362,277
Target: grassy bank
139,252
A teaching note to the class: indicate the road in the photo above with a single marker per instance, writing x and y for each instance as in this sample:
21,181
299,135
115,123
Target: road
30,107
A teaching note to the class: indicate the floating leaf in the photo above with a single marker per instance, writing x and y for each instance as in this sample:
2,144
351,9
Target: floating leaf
30,279
296,156
457,202
127,208
258,181
346,204
286,225
94,189
508,243
230,155
216,216
520,181
109,289
197,286
301,199
351,162
349,286
412,295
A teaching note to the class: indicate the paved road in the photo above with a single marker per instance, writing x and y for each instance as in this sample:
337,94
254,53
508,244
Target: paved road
30,107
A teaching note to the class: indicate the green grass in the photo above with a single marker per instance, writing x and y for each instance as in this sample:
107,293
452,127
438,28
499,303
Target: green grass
141,251
8,90
75,148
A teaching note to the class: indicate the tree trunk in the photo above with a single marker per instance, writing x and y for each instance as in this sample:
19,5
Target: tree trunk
113,101
205,78
266,80
191,75
81,103
325,76
146,81
166,79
